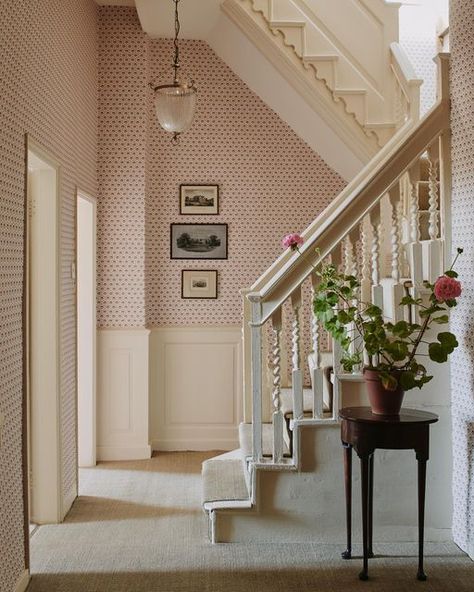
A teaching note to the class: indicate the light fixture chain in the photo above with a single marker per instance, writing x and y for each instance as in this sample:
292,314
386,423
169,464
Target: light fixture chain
177,27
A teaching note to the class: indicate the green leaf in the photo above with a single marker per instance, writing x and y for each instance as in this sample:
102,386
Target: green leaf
398,350
448,341
451,273
441,320
344,317
402,329
437,353
431,310
332,298
451,303
388,381
407,380
320,305
373,311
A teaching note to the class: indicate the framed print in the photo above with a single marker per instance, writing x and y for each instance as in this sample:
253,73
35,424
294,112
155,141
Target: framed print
199,200
198,283
198,241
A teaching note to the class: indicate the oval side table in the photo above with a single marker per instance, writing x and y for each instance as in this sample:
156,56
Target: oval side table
365,432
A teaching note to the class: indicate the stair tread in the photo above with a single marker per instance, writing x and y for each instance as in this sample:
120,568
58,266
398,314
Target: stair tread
223,480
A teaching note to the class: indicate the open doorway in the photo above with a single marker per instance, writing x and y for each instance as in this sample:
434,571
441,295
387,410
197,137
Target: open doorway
42,337
86,330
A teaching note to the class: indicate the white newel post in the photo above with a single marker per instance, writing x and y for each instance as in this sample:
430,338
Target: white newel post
256,354
297,375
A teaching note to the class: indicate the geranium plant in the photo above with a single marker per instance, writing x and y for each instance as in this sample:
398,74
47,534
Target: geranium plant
393,349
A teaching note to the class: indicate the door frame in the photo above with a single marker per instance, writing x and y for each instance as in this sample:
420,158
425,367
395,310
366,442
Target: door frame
56,508
93,201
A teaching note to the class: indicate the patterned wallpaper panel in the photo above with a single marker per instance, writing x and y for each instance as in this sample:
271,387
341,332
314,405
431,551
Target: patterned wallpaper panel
48,85
462,369
270,181
123,93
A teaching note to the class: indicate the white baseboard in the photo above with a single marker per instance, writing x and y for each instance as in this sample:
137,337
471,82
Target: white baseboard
119,453
23,581
194,444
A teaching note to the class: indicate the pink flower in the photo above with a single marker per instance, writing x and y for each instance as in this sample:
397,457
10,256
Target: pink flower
447,288
292,241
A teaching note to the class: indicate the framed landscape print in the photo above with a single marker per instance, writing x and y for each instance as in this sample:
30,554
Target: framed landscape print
198,283
199,200
198,241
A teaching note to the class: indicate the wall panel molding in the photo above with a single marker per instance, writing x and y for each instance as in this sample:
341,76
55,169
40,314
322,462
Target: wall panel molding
122,397
195,387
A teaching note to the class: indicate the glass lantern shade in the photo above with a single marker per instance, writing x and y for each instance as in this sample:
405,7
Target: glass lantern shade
175,106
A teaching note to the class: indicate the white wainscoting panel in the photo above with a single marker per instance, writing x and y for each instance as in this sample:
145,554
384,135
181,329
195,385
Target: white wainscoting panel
123,394
195,387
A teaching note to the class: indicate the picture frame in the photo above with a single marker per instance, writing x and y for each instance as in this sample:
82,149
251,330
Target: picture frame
199,200
199,284
198,241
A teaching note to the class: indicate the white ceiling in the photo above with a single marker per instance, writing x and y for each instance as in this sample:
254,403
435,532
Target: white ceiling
197,17
115,2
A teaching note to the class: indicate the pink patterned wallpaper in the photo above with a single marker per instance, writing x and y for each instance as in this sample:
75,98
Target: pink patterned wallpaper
123,128
462,368
48,86
270,181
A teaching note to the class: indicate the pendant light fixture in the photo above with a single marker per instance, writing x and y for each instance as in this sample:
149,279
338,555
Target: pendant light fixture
175,103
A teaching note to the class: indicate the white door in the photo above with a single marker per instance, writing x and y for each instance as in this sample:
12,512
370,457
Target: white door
43,384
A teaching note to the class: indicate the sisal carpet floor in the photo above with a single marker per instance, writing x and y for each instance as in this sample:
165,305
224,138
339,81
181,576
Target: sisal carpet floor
138,527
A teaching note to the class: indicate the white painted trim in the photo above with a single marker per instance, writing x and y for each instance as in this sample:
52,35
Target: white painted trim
289,66
123,394
195,404
93,444
54,497
199,444
107,453
23,581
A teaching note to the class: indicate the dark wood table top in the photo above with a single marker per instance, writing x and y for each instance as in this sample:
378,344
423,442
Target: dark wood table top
407,416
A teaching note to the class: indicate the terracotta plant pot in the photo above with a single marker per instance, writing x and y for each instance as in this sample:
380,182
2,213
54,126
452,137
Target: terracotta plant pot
382,401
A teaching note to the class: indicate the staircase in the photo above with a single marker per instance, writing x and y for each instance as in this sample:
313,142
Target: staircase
389,227
364,91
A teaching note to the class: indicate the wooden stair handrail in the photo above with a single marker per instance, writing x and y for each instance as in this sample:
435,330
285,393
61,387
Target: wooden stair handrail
348,209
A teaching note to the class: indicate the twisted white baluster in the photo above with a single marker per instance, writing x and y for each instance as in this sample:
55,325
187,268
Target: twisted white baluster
297,376
377,289
414,213
395,240
276,391
317,372
365,263
349,257
433,198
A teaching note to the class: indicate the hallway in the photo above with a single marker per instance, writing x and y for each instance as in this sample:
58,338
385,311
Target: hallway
138,526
